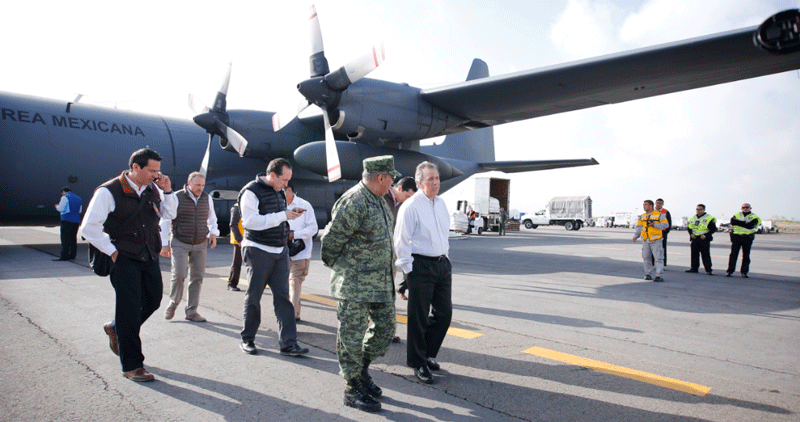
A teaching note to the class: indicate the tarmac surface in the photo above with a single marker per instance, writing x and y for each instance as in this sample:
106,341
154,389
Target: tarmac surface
548,325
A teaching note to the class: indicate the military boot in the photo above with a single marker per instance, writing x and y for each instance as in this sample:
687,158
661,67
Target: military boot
356,395
369,385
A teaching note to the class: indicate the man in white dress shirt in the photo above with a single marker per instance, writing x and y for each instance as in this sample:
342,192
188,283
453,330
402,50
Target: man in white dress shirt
128,207
301,228
422,247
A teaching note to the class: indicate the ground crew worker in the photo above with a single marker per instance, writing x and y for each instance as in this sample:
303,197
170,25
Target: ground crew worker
701,229
744,224
649,228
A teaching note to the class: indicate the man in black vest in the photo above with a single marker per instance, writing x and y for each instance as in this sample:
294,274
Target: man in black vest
144,193
193,230
266,255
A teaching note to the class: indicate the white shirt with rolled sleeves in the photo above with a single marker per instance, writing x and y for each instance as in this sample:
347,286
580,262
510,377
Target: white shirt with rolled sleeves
304,227
423,228
103,203
166,223
252,220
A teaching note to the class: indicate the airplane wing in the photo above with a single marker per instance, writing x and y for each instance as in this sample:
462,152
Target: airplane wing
616,78
520,166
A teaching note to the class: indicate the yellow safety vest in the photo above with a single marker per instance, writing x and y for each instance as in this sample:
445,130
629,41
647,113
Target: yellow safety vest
699,225
241,230
744,230
651,233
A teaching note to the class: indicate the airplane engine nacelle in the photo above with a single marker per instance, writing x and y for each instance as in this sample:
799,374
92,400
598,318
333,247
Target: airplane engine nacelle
262,140
351,155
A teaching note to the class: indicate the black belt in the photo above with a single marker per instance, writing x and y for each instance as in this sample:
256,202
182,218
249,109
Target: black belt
439,258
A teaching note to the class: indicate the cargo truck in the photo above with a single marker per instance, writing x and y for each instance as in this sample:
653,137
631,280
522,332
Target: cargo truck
488,195
572,212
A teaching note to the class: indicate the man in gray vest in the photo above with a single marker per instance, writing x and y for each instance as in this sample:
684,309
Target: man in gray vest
266,255
194,227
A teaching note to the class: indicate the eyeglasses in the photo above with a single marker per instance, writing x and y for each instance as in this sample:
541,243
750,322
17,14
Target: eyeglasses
745,208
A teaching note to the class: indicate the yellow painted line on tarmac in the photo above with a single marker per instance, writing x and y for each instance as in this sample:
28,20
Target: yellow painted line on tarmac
671,383
458,332
319,299
785,260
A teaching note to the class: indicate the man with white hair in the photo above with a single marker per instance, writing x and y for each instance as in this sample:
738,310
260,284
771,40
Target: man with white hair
193,229
422,247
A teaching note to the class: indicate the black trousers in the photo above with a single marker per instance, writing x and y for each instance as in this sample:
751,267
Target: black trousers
139,289
236,266
737,242
69,239
701,247
430,308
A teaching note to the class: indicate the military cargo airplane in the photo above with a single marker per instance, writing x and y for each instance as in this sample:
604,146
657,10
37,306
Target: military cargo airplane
48,144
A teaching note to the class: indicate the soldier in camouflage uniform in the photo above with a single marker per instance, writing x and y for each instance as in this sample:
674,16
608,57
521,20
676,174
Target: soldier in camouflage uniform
358,249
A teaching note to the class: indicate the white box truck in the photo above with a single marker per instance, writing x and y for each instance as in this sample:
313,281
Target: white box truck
488,195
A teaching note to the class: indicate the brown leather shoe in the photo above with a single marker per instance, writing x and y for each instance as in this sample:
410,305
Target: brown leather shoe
169,312
112,338
195,317
139,375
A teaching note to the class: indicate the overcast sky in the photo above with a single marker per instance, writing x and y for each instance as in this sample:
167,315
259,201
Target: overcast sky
721,145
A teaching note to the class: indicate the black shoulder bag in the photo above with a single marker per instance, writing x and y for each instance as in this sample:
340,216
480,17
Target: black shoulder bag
101,263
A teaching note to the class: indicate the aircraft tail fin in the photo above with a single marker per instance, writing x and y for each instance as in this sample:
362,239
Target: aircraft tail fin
475,145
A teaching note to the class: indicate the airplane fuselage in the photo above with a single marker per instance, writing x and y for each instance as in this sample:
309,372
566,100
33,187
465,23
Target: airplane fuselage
49,144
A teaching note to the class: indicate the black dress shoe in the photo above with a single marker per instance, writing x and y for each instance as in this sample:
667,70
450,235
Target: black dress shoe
60,259
728,274
248,347
745,276
691,271
424,374
234,289
709,272
432,364
294,350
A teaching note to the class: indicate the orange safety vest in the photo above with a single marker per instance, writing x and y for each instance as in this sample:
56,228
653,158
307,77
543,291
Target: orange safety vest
651,233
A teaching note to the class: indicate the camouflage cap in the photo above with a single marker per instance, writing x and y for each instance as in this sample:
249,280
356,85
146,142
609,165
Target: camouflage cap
381,164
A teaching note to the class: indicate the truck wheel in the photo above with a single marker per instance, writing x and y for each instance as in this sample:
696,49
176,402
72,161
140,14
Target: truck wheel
529,225
577,226
569,225
534,226
480,230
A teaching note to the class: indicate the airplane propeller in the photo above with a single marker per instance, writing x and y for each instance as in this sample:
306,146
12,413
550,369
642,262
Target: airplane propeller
215,120
324,88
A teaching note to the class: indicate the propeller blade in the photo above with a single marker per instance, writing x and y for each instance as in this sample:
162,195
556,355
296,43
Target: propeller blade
281,119
331,155
207,156
221,103
356,69
317,60
237,141
197,105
